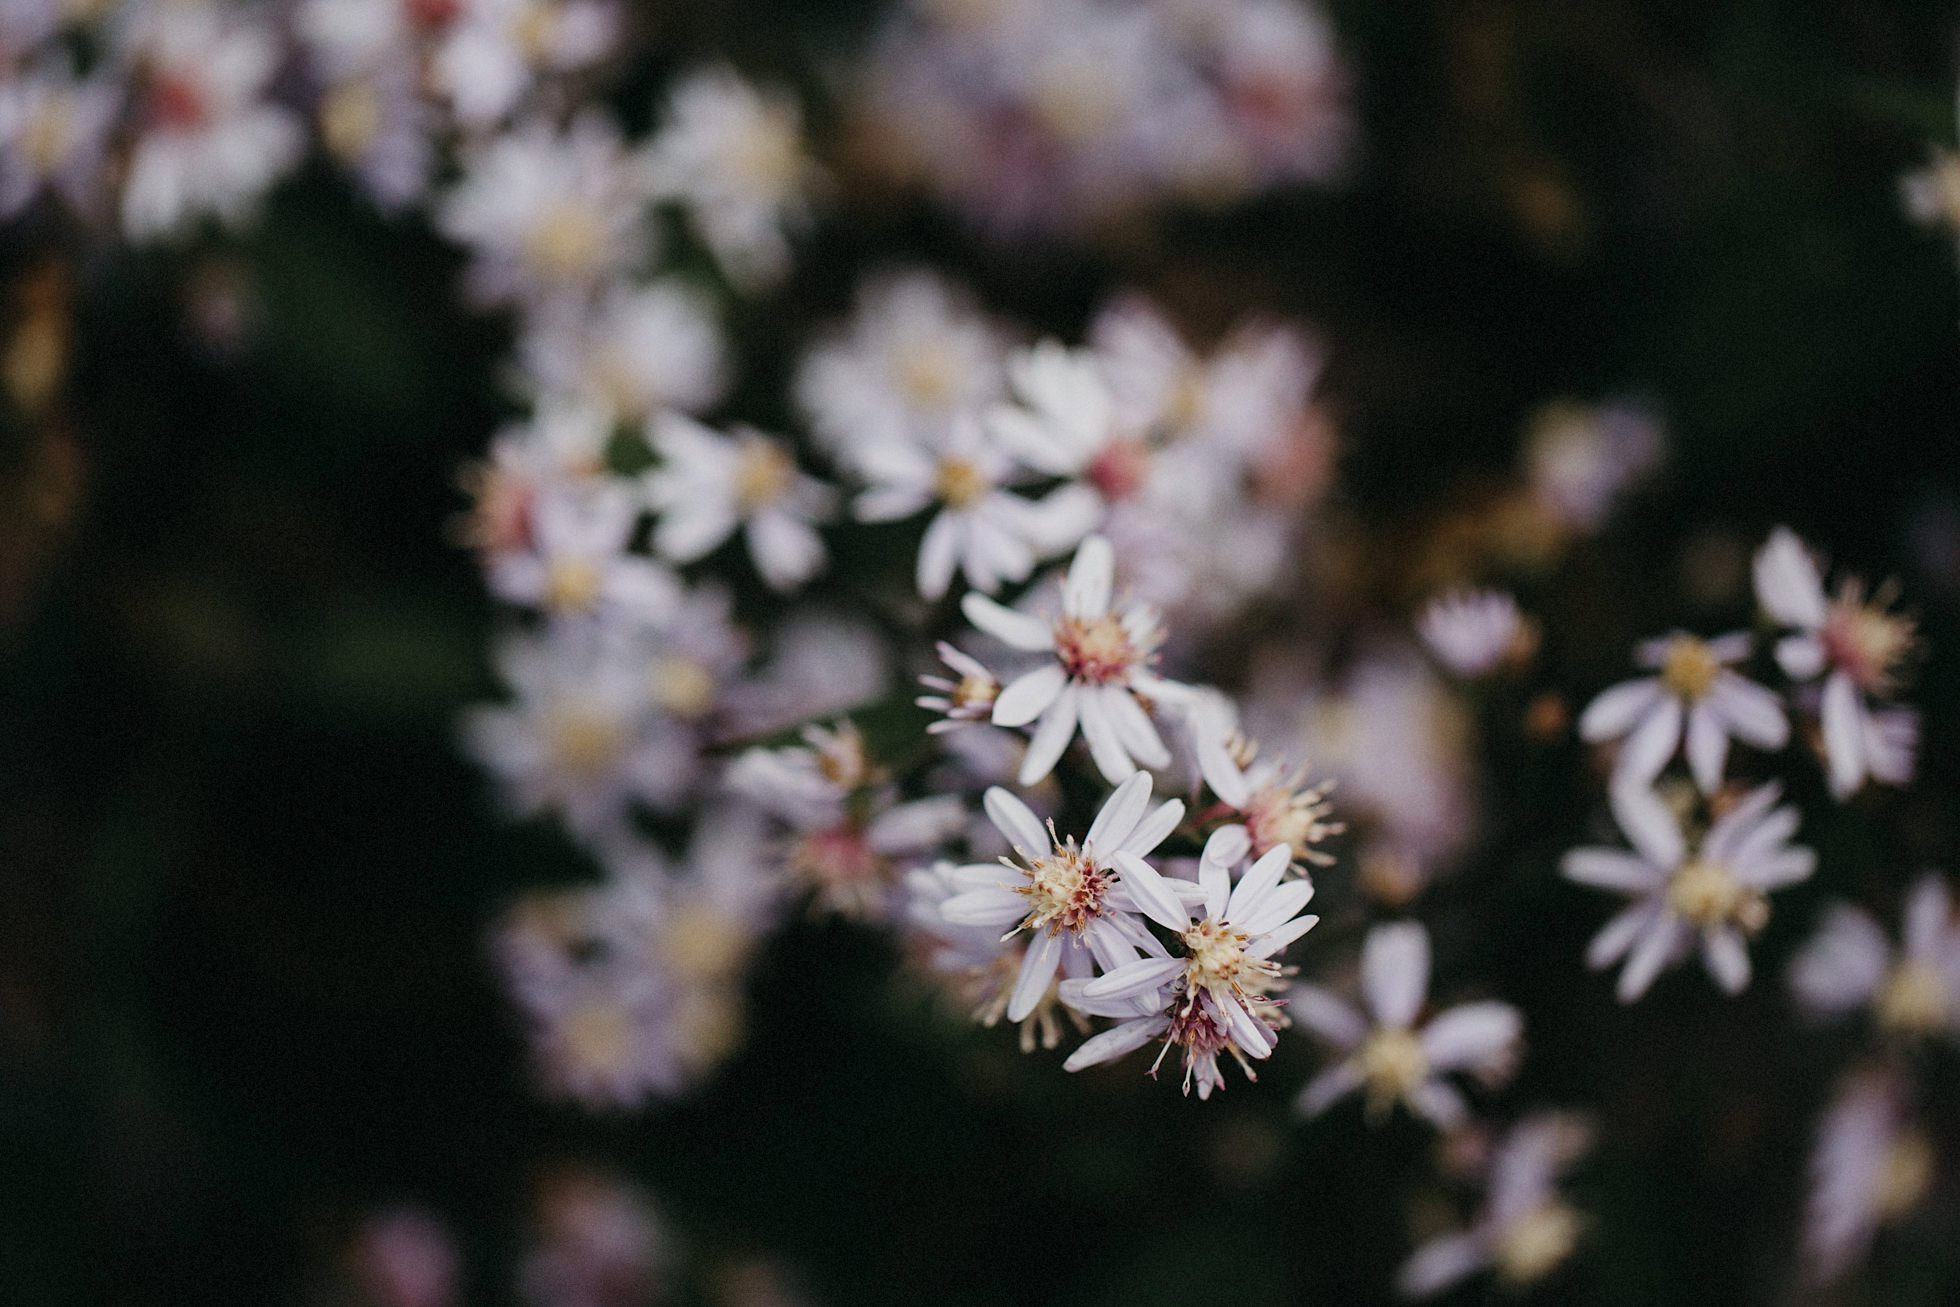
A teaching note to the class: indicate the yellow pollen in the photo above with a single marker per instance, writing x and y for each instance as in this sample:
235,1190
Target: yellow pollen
598,1036
1913,1000
350,118
959,483
701,943
1537,1243
1095,649
1214,954
1065,891
682,686
1706,894
1865,640
1689,668
762,476
532,31
1393,1065
566,243
926,374
572,586
1905,1176
586,743
767,155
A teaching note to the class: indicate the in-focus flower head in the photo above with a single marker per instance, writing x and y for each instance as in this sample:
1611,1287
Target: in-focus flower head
969,698
1070,898
1695,697
1386,1052
1711,895
1097,674
1858,647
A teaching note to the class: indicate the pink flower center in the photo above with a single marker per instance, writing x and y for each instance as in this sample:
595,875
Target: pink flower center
1866,642
1095,650
176,103
1118,471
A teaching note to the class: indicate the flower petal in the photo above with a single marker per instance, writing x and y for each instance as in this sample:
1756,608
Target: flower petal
1015,630
1395,972
1016,821
1029,695
1151,895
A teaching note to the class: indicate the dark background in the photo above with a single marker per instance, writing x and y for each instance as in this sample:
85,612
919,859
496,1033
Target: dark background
244,875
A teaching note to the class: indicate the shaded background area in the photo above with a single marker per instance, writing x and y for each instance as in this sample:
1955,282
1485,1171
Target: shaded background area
244,875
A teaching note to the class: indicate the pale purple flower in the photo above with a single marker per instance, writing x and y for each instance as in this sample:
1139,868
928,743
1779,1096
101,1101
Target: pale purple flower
1472,633
1872,1166
577,563
1857,646
970,698
1099,670
1714,897
708,485
1695,698
1913,990
1069,898
1387,1052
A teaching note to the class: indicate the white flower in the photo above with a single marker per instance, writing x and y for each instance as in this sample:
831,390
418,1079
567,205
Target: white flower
378,124
1099,672
1872,1166
1580,460
1388,1054
576,563
1717,895
733,156
980,528
548,216
1857,646
1216,995
54,127
494,51
1064,422
1696,696
584,737
709,485
1849,965
1068,898
1472,633
968,699
209,141
642,349
562,448
915,356
1526,1230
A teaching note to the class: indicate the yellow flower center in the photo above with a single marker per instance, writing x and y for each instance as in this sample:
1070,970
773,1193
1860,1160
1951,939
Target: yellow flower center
350,119
701,943
1537,1243
682,686
48,135
926,374
960,482
1075,101
598,1036
767,155
1905,1176
573,585
1689,668
762,475
1913,1000
1065,891
586,743
566,243
1706,894
1095,649
1392,1065
1285,813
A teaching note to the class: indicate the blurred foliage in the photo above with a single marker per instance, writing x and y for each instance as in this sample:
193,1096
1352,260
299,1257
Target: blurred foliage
245,875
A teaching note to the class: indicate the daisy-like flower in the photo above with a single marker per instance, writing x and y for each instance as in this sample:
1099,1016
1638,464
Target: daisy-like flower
1068,898
1872,1167
583,737
915,355
1695,696
377,124
1215,995
209,140
709,485
1857,645
1913,991
1064,423
577,563
1715,895
1387,1054
1267,799
1473,633
733,157
54,127
641,350
981,970
1526,1229
1099,676
493,52
562,448
849,837
980,528
968,699
548,216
